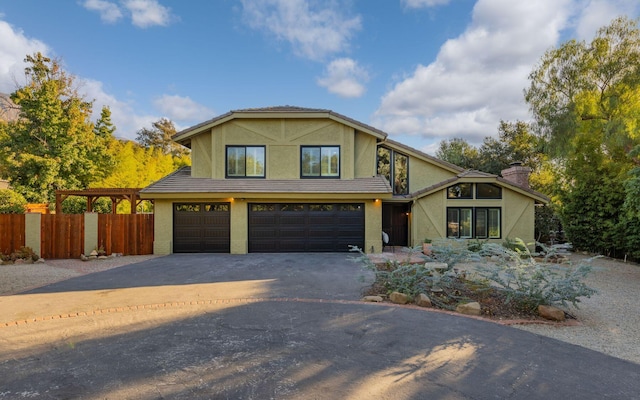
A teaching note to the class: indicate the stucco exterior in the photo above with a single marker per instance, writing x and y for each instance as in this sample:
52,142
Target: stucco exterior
282,131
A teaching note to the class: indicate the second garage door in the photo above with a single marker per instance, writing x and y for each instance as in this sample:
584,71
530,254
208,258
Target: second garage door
292,227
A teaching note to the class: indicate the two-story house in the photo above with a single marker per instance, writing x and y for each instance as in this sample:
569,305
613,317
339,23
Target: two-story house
290,179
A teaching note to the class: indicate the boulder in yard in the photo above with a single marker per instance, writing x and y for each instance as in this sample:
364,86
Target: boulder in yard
423,300
472,308
399,298
551,313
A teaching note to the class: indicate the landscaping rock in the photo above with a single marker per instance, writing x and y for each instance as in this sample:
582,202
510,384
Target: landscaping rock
423,300
399,298
551,313
438,266
19,261
40,260
94,253
472,308
372,299
83,257
102,257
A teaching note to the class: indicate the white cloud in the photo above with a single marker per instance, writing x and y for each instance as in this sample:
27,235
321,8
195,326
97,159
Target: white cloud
109,12
595,14
179,108
478,77
143,13
123,114
315,30
423,3
344,77
146,13
14,46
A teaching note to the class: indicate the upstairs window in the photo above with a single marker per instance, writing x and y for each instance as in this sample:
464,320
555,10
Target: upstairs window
460,191
395,167
245,161
320,161
488,191
482,190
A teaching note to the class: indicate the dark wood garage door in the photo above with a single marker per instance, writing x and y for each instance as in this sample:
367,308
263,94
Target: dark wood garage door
305,227
201,228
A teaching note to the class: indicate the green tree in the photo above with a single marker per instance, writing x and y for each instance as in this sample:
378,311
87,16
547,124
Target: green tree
159,137
515,143
52,144
459,152
586,101
11,202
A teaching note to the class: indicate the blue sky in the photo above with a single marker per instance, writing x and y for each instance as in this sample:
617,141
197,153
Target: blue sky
421,70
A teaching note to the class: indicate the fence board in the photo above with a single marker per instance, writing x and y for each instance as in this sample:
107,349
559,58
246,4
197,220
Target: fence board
62,235
129,234
11,232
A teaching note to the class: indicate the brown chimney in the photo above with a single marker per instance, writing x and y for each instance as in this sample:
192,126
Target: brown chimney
517,174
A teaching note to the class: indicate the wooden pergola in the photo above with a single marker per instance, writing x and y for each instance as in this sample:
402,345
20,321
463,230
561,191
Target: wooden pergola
115,194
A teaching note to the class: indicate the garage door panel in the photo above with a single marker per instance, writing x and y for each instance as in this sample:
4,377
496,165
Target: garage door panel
305,227
201,228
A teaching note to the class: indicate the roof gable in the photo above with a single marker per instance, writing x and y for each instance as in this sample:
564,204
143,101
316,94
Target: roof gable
480,177
184,137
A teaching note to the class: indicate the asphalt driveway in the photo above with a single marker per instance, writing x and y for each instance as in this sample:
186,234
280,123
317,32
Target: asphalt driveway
281,326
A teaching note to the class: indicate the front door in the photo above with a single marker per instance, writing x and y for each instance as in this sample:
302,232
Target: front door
395,222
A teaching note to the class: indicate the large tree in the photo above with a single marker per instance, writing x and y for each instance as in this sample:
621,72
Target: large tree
52,144
159,137
586,101
459,152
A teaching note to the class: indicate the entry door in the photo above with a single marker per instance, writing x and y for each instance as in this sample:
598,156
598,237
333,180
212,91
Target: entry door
395,222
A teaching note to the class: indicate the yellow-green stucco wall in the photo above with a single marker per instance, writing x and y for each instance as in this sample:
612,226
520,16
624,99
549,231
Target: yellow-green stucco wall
282,139
423,174
429,215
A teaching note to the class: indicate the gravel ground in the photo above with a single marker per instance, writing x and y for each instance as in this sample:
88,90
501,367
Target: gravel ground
609,320
18,278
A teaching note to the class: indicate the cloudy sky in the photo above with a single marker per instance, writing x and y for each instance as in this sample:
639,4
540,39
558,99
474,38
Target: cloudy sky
421,70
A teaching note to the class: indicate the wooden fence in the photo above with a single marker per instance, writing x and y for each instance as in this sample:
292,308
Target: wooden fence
63,235
128,234
11,232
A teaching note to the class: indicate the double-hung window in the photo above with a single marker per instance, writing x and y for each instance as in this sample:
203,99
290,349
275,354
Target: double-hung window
245,162
320,161
473,222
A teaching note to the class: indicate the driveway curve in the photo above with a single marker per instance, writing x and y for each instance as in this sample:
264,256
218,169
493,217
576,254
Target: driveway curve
273,326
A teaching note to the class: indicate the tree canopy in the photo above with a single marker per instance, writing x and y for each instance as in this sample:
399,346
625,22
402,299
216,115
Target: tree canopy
585,98
159,137
52,144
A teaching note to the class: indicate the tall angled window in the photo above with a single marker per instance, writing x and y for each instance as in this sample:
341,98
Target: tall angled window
320,161
245,161
395,167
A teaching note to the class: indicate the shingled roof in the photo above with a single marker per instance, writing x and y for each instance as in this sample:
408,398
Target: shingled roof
182,182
